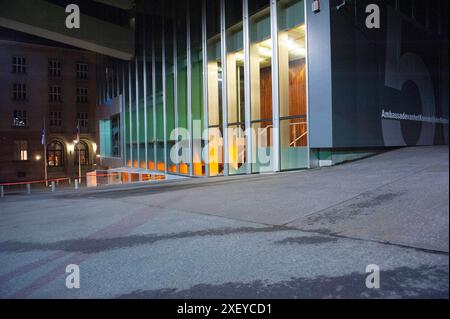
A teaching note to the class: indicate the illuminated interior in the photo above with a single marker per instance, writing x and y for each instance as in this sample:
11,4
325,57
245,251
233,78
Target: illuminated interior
222,68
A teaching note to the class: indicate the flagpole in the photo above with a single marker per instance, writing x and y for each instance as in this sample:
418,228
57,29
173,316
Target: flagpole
44,140
79,153
79,163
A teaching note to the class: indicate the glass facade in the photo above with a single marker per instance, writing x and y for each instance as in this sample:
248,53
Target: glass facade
216,88
260,51
292,84
214,79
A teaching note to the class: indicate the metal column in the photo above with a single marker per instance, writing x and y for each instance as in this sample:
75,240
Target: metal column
247,84
138,142
275,88
163,62
189,86
155,142
175,80
224,88
130,101
205,88
144,53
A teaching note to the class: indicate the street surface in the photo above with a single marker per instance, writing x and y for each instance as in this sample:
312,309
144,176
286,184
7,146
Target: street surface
307,234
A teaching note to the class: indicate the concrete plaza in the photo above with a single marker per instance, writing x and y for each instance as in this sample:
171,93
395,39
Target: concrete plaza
307,234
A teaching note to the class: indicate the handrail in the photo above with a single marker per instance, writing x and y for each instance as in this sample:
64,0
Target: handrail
77,181
57,179
298,139
265,129
35,182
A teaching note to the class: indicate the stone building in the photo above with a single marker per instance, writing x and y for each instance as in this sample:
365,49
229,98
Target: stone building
44,82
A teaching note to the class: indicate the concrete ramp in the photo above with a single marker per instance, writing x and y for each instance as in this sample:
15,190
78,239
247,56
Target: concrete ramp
46,20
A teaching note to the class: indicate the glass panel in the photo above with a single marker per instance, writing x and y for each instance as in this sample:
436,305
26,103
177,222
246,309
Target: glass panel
294,143
261,66
126,115
235,86
197,88
182,86
262,147
149,97
170,103
160,165
215,151
292,85
138,88
141,133
133,115
105,138
236,149
127,118
261,90
115,136
214,88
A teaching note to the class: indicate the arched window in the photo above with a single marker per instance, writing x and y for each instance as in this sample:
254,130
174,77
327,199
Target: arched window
83,156
55,154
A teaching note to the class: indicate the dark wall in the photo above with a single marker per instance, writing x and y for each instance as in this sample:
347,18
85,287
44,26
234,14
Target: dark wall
399,68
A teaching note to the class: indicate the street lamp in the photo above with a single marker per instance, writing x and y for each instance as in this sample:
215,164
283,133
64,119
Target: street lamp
70,147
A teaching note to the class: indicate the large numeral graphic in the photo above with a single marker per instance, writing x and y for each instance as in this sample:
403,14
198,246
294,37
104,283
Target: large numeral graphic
400,69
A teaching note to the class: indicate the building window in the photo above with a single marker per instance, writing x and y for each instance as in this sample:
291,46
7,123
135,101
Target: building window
55,154
54,67
81,153
55,93
56,119
20,150
292,85
19,91
19,64
236,88
82,95
82,118
214,82
19,118
82,71
115,136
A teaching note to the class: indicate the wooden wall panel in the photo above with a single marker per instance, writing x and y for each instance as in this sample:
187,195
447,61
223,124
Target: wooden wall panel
266,93
297,88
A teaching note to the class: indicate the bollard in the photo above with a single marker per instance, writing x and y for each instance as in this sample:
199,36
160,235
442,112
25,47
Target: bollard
2,191
53,186
76,184
28,189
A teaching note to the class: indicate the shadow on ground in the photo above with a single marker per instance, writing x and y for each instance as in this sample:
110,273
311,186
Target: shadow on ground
401,282
97,245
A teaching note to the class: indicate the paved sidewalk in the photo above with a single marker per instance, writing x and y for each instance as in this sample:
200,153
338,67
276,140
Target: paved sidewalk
291,235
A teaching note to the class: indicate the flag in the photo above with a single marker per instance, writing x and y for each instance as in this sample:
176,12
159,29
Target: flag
78,132
43,134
